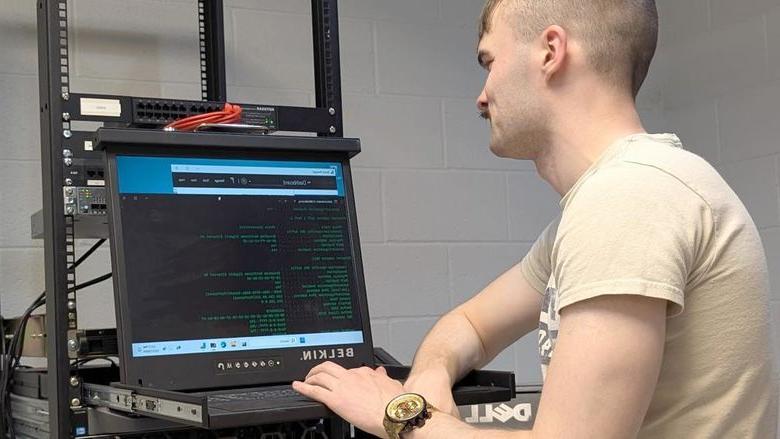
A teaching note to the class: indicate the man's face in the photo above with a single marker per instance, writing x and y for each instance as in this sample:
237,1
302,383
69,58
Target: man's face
510,99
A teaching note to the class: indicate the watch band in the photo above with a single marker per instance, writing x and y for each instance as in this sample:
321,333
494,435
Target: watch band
393,429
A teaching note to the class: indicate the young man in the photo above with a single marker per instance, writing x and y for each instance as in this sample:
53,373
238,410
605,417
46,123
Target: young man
652,284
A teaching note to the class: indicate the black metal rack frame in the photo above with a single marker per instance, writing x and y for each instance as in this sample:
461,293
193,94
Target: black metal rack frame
58,110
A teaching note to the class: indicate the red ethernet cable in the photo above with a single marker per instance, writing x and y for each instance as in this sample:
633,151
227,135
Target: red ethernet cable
229,114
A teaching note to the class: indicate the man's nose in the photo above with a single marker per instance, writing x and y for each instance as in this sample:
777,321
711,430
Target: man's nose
482,103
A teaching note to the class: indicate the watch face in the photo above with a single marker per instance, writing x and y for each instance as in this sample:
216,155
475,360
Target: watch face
405,407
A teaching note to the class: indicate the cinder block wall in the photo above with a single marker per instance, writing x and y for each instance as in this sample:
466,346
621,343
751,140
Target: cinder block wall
716,82
439,216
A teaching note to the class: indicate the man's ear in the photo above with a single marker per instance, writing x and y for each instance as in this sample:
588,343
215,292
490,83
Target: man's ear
554,41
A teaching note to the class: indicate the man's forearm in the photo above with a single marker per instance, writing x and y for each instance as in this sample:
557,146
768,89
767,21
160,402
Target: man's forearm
469,336
451,347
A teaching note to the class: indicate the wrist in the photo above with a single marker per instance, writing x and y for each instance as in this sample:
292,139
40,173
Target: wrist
406,413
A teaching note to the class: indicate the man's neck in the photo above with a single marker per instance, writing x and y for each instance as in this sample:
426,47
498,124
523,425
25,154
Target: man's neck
581,135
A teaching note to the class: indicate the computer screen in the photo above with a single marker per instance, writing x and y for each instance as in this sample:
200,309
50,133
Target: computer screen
231,255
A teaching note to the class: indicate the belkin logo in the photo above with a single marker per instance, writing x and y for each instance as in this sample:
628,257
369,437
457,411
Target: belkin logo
327,354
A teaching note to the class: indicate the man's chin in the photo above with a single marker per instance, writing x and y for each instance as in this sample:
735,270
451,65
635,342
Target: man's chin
500,151
506,152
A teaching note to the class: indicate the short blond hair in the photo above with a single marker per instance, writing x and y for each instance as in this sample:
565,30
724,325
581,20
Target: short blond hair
620,36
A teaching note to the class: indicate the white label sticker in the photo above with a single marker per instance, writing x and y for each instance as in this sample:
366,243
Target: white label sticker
96,182
101,107
88,145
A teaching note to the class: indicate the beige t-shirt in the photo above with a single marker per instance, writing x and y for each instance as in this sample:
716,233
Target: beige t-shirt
649,218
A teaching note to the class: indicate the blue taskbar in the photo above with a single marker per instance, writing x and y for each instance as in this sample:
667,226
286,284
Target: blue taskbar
206,346
197,176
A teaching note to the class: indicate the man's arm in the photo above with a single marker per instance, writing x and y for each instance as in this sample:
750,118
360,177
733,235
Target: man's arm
472,334
601,379
599,384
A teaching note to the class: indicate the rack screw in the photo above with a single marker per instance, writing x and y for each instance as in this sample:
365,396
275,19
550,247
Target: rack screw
66,116
68,161
332,111
332,129
75,402
67,153
72,345
71,304
67,134
69,181
65,96
74,381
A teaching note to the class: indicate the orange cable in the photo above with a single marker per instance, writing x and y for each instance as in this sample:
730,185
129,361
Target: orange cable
229,114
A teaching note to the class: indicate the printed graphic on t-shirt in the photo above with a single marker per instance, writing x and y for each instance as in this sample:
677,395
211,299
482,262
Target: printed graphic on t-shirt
549,323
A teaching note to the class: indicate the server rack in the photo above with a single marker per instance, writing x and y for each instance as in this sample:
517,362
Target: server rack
59,107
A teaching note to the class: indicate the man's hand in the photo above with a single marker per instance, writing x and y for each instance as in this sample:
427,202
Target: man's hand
434,386
359,396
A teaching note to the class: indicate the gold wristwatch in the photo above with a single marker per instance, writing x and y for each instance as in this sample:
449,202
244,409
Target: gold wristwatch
405,413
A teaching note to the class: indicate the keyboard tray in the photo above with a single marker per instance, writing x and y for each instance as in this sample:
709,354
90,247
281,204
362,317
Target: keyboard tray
241,407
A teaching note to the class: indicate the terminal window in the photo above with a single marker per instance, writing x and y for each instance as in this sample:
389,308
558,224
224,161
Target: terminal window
236,254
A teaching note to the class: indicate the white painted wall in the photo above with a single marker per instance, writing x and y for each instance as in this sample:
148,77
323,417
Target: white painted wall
716,82
439,216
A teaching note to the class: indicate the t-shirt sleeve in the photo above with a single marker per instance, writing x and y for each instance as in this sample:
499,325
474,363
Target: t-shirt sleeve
536,266
630,229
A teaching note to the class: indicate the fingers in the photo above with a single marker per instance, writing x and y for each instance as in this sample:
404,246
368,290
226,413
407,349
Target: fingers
316,393
328,367
323,379
365,371
382,370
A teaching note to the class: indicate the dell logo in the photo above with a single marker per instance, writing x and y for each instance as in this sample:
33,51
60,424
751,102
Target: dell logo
327,354
503,413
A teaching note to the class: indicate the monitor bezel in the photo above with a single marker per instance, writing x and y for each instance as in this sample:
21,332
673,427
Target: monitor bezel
199,371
